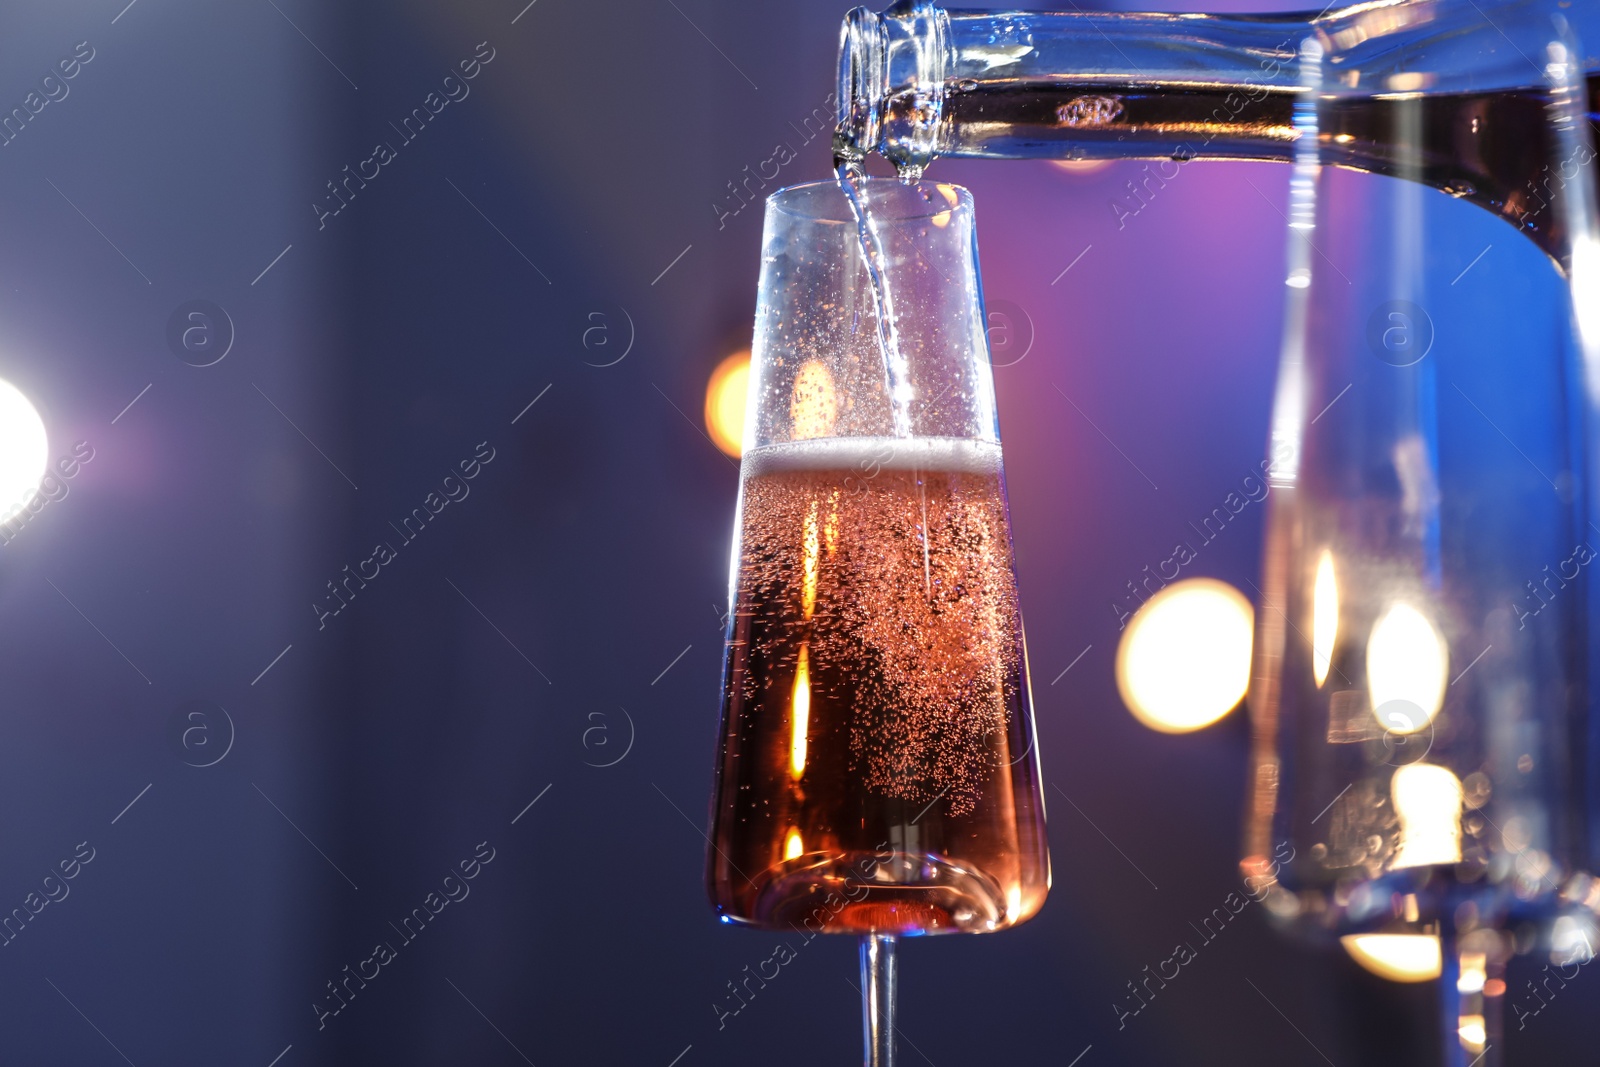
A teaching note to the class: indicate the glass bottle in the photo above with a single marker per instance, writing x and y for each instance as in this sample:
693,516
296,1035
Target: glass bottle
919,81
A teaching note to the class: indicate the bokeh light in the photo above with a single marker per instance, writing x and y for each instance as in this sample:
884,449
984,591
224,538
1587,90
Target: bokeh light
1397,957
1427,801
725,400
814,405
1081,166
1184,659
1572,938
24,449
1407,662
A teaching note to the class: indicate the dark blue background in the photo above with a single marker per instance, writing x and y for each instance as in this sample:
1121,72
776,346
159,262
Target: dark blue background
459,685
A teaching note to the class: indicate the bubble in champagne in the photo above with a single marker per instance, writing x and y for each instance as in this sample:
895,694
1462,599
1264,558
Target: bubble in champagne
913,622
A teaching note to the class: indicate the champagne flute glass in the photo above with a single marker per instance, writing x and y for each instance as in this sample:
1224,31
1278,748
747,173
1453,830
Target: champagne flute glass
877,774
1420,702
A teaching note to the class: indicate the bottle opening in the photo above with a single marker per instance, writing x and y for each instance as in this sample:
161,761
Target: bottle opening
892,71
861,85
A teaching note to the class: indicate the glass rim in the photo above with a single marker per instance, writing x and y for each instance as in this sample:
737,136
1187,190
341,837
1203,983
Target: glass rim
809,200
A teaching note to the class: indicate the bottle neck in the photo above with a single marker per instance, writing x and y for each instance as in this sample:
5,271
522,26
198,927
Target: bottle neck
1416,89
919,81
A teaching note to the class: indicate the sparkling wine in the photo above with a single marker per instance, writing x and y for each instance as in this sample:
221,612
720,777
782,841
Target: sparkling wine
877,762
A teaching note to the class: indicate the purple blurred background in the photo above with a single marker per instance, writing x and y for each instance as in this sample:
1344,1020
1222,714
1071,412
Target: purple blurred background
575,583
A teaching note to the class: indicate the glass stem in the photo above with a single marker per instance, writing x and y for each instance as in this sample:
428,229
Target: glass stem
877,999
1471,988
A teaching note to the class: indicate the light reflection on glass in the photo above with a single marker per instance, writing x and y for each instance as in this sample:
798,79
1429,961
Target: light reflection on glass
800,715
1586,293
1324,617
814,403
951,197
1407,662
800,704
1081,166
1427,800
808,562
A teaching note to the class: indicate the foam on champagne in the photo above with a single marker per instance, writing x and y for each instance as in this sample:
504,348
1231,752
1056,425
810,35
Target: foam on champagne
947,455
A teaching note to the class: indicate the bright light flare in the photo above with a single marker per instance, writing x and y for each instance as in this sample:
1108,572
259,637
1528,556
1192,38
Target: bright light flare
1397,957
1407,664
726,394
24,450
1184,660
1427,800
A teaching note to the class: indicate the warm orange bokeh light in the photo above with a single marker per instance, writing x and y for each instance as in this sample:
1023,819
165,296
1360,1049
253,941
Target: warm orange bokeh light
725,399
1081,166
1397,957
815,404
1184,660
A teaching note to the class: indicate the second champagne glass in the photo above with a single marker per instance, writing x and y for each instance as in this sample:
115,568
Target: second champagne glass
1423,748
877,774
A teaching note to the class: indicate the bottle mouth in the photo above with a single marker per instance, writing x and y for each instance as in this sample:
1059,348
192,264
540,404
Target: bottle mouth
861,84
891,83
